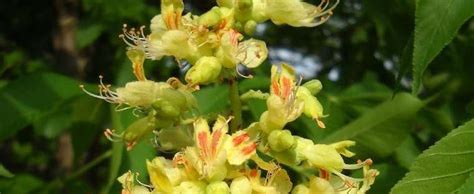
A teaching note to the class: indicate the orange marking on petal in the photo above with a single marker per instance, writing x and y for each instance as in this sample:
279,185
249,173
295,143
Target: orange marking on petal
249,149
286,87
239,139
203,144
253,172
216,138
275,88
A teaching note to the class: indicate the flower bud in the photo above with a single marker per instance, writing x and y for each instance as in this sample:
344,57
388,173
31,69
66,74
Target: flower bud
314,86
319,185
300,189
165,109
205,71
176,43
280,140
210,18
218,187
241,185
137,130
141,93
191,187
250,27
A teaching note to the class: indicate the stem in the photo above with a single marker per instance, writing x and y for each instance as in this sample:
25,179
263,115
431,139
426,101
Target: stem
235,106
89,165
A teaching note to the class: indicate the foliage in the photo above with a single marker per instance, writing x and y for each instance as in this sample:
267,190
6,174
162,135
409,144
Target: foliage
50,131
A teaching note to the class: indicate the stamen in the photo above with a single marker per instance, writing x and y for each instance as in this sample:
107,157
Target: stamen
359,165
112,136
142,184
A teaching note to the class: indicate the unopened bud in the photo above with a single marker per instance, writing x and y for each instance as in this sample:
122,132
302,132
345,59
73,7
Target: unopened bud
165,109
300,189
241,185
219,187
137,130
191,187
205,71
319,185
250,27
280,140
314,86
210,18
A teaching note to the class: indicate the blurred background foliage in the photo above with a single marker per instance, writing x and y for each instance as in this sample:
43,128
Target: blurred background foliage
51,132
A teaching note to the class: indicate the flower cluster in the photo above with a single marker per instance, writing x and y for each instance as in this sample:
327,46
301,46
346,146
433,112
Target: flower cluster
256,159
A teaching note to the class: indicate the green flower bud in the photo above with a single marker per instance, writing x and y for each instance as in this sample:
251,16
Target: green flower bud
175,138
138,129
300,189
166,109
140,93
219,187
314,86
191,187
205,71
281,140
250,27
210,18
241,185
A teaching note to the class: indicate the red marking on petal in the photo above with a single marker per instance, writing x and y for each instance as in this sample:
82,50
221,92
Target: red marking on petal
253,172
203,144
216,138
239,139
324,174
249,149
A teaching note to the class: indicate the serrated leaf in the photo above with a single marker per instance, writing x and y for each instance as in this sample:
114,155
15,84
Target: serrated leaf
27,99
444,167
436,23
380,131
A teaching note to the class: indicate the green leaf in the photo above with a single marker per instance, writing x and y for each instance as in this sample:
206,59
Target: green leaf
4,172
436,24
444,167
212,99
407,152
86,35
468,186
381,130
21,184
27,99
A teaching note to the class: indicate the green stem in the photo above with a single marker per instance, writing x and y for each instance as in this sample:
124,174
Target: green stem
89,165
235,106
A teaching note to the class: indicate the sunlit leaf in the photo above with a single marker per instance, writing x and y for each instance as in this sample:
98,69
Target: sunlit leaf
444,167
436,23
381,130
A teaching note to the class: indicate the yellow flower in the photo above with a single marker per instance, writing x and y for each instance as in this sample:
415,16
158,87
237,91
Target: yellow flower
298,13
